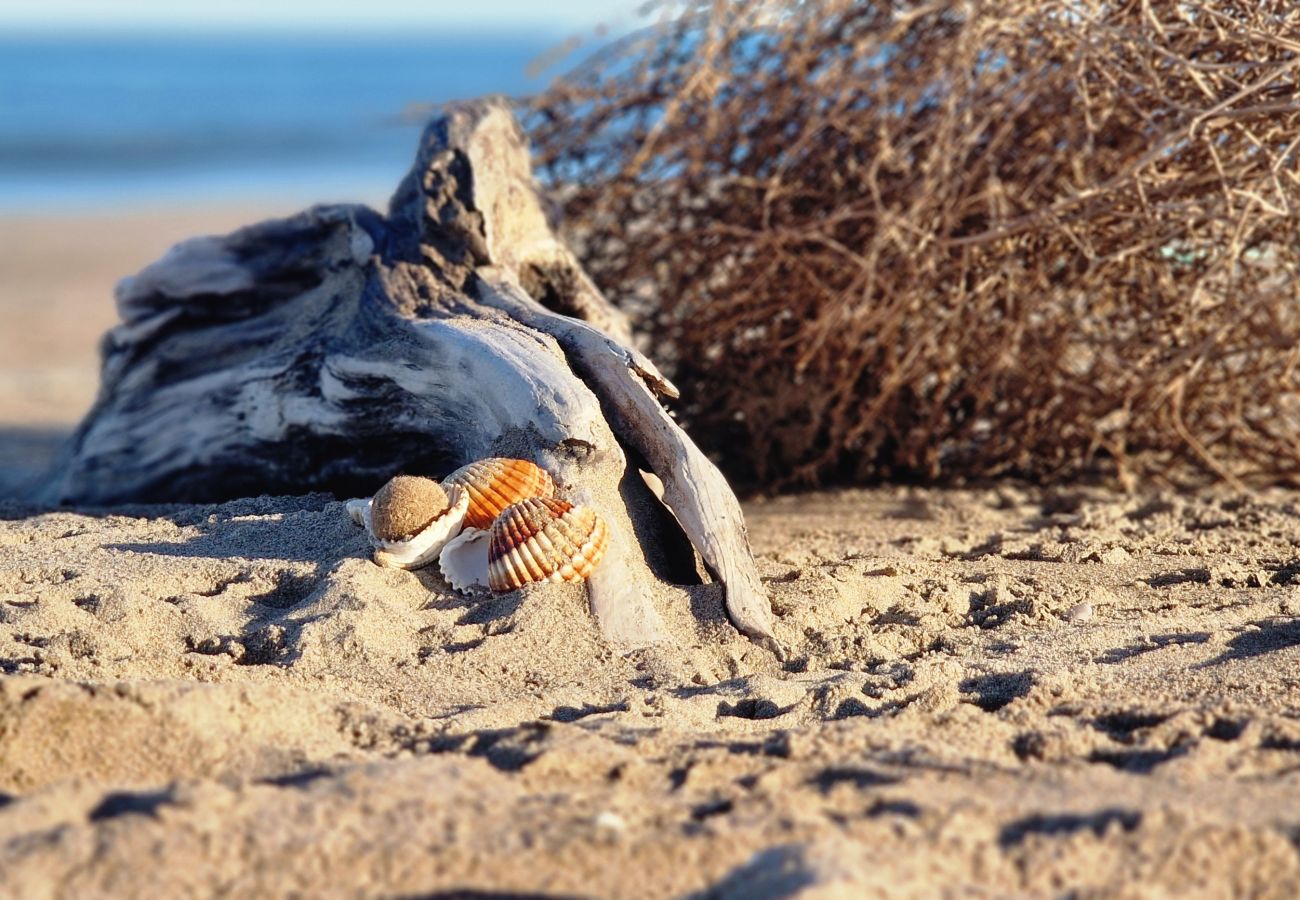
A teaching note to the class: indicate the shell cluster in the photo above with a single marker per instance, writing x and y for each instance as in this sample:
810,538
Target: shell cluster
493,522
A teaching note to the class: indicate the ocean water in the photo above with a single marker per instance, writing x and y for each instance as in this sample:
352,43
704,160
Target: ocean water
115,120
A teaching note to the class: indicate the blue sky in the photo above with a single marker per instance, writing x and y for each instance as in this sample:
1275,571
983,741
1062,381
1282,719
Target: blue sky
563,16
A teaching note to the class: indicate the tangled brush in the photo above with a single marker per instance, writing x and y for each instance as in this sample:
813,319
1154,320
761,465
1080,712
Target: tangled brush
954,240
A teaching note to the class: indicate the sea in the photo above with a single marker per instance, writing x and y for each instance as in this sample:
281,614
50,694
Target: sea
117,120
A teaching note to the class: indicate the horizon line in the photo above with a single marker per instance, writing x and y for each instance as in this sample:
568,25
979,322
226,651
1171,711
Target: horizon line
390,29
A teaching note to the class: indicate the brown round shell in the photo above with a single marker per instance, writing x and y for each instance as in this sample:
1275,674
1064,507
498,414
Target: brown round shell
541,539
406,506
493,484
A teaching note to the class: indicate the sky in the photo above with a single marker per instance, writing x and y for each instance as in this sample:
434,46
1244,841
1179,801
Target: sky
562,16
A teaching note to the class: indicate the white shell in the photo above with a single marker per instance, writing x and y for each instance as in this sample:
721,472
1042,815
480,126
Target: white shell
464,560
358,510
424,547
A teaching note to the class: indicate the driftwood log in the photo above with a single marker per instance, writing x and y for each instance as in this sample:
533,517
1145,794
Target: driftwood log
330,350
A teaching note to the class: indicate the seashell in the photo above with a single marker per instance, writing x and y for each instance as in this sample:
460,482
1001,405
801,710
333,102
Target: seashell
409,524
495,483
464,560
405,506
357,511
541,539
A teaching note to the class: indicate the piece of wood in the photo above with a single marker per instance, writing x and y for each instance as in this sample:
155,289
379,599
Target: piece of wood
694,489
332,349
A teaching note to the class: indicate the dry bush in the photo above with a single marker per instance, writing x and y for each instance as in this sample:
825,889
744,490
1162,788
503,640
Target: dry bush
952,240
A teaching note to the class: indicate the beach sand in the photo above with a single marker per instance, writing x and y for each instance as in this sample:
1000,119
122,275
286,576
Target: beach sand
992,691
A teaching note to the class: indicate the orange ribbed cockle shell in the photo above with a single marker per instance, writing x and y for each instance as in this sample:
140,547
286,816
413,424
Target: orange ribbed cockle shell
494,484
541,539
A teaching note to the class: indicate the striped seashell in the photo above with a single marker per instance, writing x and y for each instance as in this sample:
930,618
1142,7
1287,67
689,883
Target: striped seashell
400,541
541,539
495,483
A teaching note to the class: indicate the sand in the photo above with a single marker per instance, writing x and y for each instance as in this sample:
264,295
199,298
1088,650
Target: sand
989,692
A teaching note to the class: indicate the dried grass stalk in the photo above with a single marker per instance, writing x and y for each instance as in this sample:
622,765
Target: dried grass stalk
952,240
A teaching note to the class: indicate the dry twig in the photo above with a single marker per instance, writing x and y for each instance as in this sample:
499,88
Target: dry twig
943,240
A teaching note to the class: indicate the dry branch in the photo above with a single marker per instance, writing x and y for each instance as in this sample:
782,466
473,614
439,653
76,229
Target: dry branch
954,239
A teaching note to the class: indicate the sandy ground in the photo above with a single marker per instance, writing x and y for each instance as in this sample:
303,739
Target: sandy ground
1002,691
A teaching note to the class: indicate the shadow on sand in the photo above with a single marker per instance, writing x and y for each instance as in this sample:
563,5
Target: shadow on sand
26,454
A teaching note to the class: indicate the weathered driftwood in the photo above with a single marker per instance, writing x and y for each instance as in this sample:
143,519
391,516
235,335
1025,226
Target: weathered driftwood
332,349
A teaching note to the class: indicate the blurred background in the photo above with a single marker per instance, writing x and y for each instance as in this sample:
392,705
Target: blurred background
147,103
869,240
127,125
